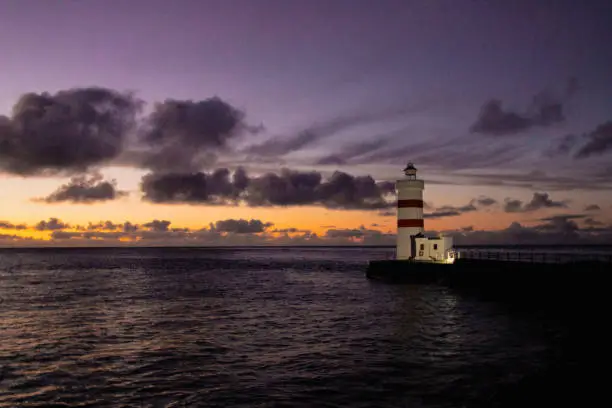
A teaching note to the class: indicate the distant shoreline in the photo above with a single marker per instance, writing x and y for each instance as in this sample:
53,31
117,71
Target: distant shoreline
229,247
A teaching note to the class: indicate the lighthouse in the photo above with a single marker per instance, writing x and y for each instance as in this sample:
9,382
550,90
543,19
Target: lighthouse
412,244
409,212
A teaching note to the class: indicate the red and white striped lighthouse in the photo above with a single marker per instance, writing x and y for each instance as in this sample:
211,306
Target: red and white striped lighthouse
409,212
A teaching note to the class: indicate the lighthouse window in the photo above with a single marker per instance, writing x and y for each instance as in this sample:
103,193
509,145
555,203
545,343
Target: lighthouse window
435,246
422,247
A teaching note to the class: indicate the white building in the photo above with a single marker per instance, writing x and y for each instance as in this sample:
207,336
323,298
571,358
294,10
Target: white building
412,244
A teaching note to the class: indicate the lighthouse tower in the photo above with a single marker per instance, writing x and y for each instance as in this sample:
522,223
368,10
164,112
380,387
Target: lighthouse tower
409,212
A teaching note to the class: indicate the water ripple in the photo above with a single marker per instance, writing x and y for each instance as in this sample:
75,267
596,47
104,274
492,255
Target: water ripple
299,328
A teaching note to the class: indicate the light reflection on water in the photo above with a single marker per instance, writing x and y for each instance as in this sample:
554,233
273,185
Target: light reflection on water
239,328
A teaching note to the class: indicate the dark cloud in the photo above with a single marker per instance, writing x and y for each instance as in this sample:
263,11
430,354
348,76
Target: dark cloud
599,141
158,231
102,225
562,146
242,226
539,180
361,235
51,225
486,201
448,155
542,200
289,188
353,151
556,231
185,135
282,145
75,130
340,191
66,132
511,205
453,211
85,190
109,226
592,207
495,120
538,201
562,218
216,188
591,222
10,225
11,239
290,231
129,227
345,233
442,214
157,225
373,152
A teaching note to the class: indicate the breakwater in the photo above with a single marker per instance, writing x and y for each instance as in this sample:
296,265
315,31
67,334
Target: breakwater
504,275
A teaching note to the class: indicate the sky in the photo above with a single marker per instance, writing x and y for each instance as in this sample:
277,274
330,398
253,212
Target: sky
286,122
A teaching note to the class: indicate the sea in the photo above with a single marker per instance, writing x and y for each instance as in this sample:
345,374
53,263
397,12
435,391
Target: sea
276,327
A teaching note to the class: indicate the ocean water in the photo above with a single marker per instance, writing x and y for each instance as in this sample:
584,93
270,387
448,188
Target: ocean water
277,327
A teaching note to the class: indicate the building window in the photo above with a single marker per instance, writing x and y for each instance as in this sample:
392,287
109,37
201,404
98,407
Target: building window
435,246
422,247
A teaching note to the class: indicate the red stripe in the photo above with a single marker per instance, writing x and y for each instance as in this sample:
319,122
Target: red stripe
409,203
417,223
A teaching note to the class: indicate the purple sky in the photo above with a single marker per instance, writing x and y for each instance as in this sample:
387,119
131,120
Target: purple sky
289,62
293,65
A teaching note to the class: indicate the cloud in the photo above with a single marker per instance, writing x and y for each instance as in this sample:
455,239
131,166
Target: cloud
512,205
10,225
51,225
443,153
599,142
562,218
109,226
242,226
542,200
12,240
283,145
538,179
157,225
76,130
129,227
485,201
101,225
592,207
559,230
556,229
538,201
495,120
591,222
353,151
66,132
291,230
453,211
219,233
84,190
289,188
215,188
186,135
562,146
361,235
